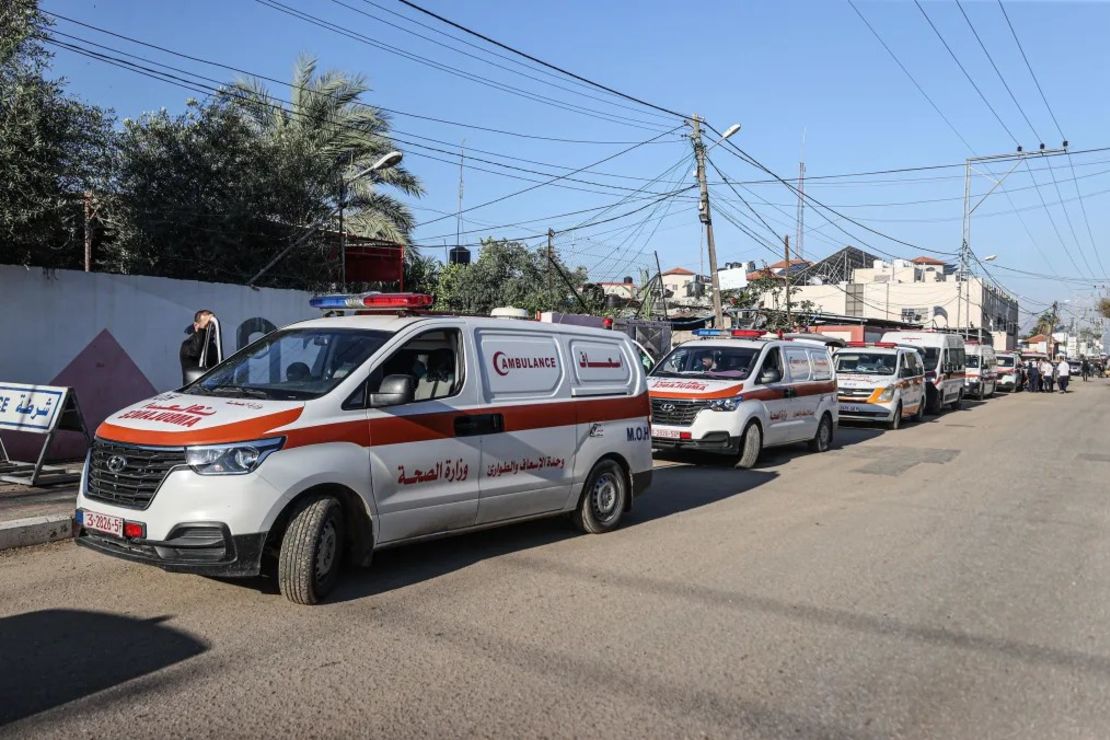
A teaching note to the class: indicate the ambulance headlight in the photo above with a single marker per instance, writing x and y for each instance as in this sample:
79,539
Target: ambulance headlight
887,394
725,404
234,459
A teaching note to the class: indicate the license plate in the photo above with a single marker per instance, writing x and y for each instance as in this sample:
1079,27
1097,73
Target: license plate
665,433
849,407
112,525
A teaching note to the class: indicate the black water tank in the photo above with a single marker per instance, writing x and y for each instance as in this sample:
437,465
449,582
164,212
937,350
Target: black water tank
459,256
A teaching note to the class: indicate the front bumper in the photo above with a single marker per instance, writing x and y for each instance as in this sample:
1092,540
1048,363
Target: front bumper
720,442
856,411
203,548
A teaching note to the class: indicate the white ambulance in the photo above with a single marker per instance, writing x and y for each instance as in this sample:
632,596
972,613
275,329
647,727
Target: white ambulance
332,438
982,370
1011,376
881,382
943,356
737,391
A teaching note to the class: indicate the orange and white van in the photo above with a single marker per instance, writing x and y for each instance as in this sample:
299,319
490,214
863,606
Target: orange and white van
332,438
943,356
737,391
881,382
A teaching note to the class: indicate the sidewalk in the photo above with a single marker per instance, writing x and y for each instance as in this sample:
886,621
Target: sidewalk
32,516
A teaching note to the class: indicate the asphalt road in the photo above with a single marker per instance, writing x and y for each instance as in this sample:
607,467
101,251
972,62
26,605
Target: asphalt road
950,579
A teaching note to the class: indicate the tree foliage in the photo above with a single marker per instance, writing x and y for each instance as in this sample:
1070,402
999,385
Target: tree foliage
216,192
1104,307
762,304
52,148
507,273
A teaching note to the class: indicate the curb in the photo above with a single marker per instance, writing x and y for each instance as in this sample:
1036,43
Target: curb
35,530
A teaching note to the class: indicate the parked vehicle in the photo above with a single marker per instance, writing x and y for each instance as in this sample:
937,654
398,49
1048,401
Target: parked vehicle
333,438
880,382
737,392
1011,372
982,369
943,356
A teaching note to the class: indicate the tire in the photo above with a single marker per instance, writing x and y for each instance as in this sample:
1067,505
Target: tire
920,415
604,498
982,393
822,441
751,445
958,403
896,420
311,551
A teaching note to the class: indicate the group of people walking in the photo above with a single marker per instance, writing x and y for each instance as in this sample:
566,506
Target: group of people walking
1045,376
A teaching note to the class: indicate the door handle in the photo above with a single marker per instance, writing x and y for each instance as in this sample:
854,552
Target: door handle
789,392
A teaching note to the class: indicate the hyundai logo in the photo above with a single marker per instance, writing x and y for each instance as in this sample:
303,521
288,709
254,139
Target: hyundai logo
116,464
668,407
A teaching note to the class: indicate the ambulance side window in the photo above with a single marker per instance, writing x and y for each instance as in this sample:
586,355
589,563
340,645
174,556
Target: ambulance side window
773,360
433,360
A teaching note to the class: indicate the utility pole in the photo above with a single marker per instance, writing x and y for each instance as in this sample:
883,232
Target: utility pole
706,218
786,275
662,290
88,230
550,256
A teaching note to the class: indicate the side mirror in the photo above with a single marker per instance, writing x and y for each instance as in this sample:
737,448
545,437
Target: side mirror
770,375
394,390
193,374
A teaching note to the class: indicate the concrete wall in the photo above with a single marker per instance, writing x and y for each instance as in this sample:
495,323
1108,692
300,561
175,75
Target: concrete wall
115,338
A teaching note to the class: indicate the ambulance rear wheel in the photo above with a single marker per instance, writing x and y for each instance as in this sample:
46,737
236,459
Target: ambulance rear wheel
920,415
604,498
311,551
822,441
959,402
896,420
751,444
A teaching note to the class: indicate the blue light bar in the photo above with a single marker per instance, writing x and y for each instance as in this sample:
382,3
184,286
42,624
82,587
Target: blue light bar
337,302
710,333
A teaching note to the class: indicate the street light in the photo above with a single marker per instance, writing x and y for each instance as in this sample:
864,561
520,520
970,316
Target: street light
391,159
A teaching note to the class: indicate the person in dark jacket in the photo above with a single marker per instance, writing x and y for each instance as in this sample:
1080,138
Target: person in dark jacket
1034,374
194,355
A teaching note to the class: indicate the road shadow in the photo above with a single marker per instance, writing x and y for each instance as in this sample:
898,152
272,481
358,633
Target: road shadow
674,489
55,656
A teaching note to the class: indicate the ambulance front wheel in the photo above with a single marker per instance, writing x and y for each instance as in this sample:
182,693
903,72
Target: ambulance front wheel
895,420
311,551
604,498
751,444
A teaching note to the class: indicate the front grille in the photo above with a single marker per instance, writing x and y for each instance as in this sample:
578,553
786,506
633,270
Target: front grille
675,411
135,484
855,392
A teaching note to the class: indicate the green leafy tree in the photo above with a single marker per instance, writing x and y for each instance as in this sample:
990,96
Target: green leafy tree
52,148
750,302
1104,307
325,138
508,273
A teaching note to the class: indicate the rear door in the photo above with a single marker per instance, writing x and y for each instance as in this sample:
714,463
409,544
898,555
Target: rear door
527,460
776,398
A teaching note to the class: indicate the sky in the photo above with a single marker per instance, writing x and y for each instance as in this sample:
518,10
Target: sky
805,79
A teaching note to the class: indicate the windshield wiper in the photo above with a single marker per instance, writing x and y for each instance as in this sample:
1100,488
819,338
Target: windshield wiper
238,389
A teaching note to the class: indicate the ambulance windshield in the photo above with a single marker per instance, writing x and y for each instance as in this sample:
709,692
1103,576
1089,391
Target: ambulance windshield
291,365
866,363
724,363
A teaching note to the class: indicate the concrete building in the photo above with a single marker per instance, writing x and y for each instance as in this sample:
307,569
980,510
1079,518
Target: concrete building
921,291
676,279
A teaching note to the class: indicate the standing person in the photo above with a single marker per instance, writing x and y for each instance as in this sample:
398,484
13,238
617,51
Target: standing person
199,351
1033,375
1048,375
1085,368
1063,374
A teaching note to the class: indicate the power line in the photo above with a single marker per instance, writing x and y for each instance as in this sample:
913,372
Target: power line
518,52
479,79
1059,129
959,64
394,111
480,59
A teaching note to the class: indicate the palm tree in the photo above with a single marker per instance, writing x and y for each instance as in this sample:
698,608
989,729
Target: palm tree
342,136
